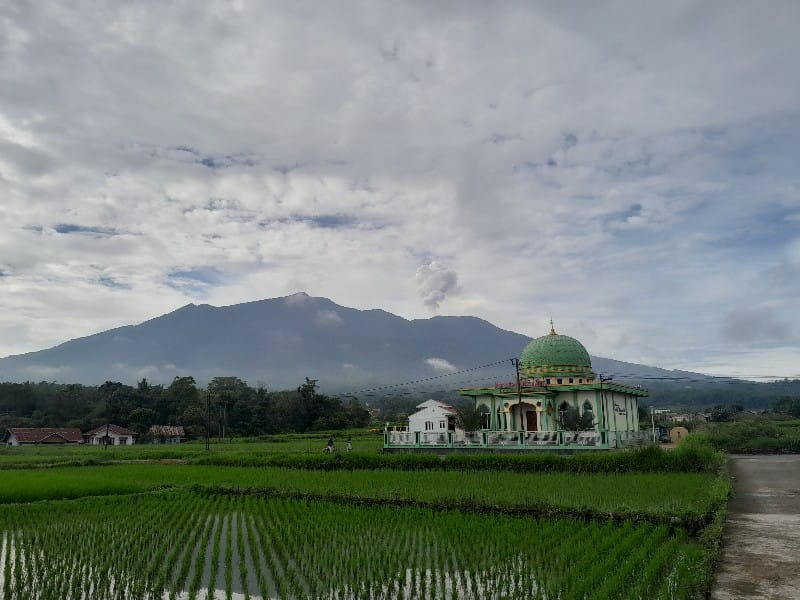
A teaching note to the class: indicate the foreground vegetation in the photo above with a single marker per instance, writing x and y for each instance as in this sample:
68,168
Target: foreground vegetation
753,435
280,519
686,498
143,546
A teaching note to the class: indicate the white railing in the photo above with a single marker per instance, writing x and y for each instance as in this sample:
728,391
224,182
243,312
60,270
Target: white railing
467,438
402,438
516,439
433,438
541,438
502,438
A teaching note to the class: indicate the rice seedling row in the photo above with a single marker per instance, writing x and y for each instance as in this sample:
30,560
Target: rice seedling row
691,497
187,546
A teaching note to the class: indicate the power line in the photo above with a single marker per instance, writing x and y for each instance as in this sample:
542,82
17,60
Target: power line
367,391
423,385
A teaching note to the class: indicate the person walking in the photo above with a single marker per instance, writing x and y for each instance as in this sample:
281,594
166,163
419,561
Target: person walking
349,443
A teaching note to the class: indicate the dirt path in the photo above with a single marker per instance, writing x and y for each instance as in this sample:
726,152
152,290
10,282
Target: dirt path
761,556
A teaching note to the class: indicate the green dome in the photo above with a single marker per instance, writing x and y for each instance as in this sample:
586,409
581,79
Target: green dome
555,355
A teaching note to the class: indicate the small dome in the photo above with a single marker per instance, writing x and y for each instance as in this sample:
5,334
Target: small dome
555,355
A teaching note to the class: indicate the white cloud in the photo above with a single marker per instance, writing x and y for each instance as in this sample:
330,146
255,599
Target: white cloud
329,318
440,365
48,372
435,282
628,168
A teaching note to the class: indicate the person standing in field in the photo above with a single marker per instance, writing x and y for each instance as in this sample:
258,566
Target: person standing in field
349,443
330,448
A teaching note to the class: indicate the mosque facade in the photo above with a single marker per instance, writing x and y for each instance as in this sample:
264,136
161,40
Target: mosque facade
556,400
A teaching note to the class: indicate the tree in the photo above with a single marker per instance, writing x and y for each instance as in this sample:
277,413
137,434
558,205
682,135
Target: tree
788,406
721,413
180,395
140,419
357,415
571,419
468,418
229,395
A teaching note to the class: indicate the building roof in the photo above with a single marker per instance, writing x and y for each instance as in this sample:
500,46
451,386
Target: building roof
167,430
553,355
111,428
436,404
46,435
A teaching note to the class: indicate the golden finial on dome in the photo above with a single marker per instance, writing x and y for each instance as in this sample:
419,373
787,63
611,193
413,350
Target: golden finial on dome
552,329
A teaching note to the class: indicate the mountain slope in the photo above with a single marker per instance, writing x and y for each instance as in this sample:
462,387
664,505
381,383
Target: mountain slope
280,341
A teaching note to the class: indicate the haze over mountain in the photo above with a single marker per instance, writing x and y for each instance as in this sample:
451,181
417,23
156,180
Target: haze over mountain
280,341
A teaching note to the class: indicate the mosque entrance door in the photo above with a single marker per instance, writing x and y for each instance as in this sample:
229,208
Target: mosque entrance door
530,421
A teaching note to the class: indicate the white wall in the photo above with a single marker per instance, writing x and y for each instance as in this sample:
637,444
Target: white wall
433,414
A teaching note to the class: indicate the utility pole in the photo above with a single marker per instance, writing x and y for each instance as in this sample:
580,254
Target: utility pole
515,362
109,396
653,422
208,421
603,400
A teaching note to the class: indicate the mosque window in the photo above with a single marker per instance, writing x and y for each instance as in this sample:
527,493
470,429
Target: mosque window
559,381
442,424
571,380
428,425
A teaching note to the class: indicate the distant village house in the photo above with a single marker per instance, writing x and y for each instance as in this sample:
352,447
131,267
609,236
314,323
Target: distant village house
28,436
166,434
110,435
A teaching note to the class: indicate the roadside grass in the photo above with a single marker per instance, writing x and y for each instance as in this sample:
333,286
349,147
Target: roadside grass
754,435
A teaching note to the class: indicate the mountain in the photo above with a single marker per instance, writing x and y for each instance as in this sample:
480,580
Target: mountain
280,341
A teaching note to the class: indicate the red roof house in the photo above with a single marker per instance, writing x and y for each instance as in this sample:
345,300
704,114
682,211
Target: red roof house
25,436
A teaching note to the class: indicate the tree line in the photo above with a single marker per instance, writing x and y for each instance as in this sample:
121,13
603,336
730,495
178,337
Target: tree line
227,406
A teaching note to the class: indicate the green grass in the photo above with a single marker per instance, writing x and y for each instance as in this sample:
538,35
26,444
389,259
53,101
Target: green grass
677,494
24,456
753,435
135,546
331,528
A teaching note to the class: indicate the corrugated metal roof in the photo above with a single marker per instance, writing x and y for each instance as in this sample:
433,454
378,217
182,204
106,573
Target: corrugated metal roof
167,430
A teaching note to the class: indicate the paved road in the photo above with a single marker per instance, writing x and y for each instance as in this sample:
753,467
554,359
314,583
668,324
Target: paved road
761,556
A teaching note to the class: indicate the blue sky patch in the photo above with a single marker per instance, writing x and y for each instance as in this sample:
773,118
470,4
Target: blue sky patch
112,283
195,282
93,230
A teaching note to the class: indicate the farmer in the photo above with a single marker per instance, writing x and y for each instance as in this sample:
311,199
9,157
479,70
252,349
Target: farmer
349,443
330,448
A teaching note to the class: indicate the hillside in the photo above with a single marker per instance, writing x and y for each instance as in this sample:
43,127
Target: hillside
280,341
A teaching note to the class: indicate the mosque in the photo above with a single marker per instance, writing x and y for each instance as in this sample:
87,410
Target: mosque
556,400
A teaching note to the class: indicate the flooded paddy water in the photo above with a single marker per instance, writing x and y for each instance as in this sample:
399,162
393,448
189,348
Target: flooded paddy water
183,545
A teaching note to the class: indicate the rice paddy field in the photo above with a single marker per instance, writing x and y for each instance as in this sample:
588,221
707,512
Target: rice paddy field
148,526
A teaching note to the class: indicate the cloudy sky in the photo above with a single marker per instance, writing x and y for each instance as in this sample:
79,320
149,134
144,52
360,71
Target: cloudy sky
628,169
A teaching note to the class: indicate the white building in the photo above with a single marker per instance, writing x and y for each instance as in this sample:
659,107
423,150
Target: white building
432,416
110,435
